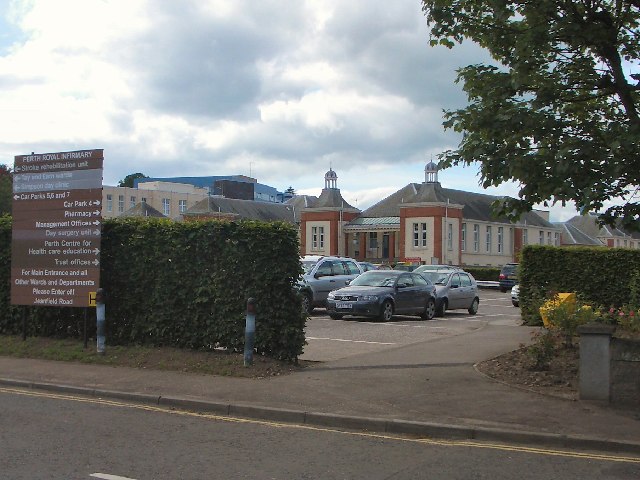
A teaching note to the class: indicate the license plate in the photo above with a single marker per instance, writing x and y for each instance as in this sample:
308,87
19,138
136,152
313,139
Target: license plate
347,305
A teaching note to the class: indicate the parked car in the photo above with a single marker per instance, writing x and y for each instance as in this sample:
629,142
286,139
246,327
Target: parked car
455,289
382,294
508,276
515,295
366,266
322,275
405,267
435,268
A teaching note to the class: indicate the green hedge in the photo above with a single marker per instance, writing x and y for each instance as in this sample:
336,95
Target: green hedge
599,276
490,274
183,285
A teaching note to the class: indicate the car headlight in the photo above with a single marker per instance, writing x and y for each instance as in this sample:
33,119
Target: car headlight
369,298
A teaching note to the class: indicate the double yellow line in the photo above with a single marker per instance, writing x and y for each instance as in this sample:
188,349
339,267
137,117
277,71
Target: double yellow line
425,441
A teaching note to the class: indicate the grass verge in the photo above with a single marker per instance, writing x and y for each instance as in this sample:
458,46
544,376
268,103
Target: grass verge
213,362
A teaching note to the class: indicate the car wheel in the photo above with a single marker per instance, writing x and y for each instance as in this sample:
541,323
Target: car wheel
386,311
473,309
429,310
441,308
335,316
306,303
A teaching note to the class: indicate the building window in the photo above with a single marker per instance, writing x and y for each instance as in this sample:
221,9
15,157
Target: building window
525,237
314,238
144,199
419,234
321,237
109,203
557,239
450,236
548,238
120,203
132,202
476,237
500,239
488,243
373,240
182,206
541,240
166,207
463,240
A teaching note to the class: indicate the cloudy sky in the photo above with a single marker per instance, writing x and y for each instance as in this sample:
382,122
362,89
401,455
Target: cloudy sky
281,90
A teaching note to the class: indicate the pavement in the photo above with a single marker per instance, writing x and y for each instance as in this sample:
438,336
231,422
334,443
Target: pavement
429,389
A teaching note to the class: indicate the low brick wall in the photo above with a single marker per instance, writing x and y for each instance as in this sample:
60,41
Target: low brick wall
625,372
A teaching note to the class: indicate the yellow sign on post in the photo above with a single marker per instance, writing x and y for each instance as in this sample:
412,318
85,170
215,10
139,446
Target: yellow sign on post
560,298
92,299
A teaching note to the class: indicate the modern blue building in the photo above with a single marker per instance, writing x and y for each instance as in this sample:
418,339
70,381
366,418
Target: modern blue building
228,186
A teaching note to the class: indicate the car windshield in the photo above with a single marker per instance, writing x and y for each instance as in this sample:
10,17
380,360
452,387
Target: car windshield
438,278
375,279
307,266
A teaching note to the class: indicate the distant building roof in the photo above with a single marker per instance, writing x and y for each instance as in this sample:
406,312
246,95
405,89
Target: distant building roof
242,209
588,225
143,209
476,206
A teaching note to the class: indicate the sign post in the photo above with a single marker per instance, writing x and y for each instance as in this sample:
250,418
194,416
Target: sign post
57,218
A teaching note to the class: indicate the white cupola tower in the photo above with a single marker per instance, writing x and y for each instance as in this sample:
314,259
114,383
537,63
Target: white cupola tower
431,172
330,179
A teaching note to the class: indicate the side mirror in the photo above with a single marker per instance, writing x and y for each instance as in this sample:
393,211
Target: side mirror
347,282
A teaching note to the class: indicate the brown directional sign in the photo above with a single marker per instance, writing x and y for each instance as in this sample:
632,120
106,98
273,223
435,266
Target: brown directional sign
55,249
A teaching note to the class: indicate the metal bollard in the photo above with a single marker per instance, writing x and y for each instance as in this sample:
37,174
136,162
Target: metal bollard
100,322
249,332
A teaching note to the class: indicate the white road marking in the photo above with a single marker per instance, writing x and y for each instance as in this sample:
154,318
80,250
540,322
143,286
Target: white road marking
351,341
106,476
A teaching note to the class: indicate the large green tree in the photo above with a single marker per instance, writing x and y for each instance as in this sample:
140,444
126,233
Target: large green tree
6,189
129,179
557,112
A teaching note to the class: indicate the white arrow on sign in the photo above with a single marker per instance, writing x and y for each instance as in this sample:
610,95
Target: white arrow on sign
96,202
16,197
96,262
96,232
96,251
96,222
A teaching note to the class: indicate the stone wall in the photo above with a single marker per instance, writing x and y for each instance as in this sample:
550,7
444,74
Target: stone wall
625,372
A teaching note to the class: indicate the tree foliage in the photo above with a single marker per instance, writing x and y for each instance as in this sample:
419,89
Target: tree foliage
129,179
558,112
6,188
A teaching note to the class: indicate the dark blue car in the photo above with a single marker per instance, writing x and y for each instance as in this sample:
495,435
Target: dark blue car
382,294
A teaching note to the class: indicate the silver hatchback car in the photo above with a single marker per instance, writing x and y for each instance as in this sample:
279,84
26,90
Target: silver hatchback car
455,289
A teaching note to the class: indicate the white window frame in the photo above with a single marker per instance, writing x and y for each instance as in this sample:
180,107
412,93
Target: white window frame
120,203
182,206
541,237
423,234
450,236
476,237
166,206
463,239
109,203
500,239
525,237
416,235
132,201
488,239
321,237
314,238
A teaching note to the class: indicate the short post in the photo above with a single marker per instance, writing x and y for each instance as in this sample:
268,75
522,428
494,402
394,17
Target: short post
100,322
249,332
595,361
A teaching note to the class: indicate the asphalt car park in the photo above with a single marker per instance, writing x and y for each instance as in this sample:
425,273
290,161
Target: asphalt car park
331,339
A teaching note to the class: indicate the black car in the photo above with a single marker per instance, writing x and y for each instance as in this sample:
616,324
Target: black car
382,294
508,276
